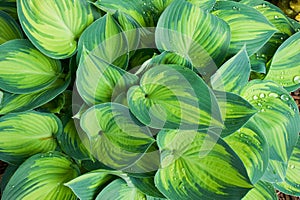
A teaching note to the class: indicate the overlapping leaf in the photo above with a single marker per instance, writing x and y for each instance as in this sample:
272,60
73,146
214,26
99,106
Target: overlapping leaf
10,7
247,26
9,29
54,26
146,185
117,139
194,33
28,133
188,170
26,69
174,97
42,177
261,190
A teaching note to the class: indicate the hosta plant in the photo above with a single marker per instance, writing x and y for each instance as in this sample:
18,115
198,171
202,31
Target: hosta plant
148,99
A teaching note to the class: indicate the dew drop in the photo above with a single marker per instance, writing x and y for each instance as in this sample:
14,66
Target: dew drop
264,5
269,107
255,97
273,95
144,4
234,7
282,38
262,95
296,79
263,110
292,166
259,104
276,17
241,135
284,97
281,77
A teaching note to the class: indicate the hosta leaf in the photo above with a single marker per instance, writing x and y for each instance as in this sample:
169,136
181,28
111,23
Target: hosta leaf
119,190
54,26
235,110
189,171
116,138
99,82
8,173
24,102
104,38
250,145
10,7
42,177
160,102
261,190
278,118
26,69
35,133
291,184
9,29
146,186
204,4
180,29
254,34
233,75
167,57
88,185
285,66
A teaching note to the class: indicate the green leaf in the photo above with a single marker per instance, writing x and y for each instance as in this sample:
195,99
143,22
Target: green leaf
105,39
250,145
278,118
261,190
233,75
167,57
285,66
27,70
88,185
203,4
146,186
291,184
42,177
10,7
99,82
116,138
24,102
189,171
180,29
161,102
9,29
35,133
248,26
235,110
119,190
54,26
8,173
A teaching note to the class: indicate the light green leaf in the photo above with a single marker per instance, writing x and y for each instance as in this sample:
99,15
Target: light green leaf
285,66
203,4
278,118
26,69
180,29
10,7
161,102
116,138
167,57
88,185
24,102
248,26
54,26
291,184
99,82
42,177
146,186
104,38
250,145
119,190
235,110
262,190
28,133
9,29
189,171
233,75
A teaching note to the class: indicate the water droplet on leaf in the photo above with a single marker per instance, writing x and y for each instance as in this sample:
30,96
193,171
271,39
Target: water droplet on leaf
255,97
276,17
296,79
284,97
262,95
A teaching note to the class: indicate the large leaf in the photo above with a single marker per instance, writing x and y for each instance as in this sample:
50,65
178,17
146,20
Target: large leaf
285,66
9,29
250,145
116,138
233,75
193,33
54,26
262,190
24,102
25,134
161,102
99,82
119,190
26,69
278,118
247,26
146,186
291,184
42,177
189,171
105,39
235,110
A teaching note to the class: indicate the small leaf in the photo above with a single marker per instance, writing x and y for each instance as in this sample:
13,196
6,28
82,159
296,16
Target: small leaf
35,131
9,29
261,190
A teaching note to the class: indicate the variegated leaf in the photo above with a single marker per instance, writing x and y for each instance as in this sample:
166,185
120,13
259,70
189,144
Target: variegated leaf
262,190
9,29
